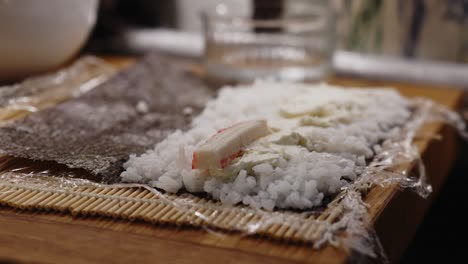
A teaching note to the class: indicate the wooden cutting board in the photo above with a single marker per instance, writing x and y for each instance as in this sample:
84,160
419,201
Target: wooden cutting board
48,237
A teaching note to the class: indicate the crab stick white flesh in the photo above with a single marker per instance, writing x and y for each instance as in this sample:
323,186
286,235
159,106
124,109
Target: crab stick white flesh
227,144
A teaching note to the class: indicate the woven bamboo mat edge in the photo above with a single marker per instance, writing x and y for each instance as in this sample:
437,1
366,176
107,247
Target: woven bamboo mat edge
133,203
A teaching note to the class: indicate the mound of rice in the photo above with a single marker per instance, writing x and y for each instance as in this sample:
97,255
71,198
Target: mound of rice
323,138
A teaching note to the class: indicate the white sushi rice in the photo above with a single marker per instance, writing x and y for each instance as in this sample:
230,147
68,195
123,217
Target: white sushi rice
323,137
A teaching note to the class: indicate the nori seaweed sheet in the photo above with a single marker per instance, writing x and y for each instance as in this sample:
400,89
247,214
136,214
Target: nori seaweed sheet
128,114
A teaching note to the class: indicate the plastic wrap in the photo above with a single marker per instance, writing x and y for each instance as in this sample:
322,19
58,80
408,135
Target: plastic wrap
346,214
38,93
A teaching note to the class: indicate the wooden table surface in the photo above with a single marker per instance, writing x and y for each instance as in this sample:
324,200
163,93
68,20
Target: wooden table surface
48,237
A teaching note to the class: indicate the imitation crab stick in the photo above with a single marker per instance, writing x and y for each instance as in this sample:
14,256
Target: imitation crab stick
226,145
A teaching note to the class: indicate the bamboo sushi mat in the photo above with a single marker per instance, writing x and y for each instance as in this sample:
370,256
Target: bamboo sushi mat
145,204
32,190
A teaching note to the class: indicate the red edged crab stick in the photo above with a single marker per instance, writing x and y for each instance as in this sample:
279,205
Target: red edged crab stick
227,144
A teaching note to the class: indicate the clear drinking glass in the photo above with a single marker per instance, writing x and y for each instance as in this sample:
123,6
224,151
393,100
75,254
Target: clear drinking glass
292,40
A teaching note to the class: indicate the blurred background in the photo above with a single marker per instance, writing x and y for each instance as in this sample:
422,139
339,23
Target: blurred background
423,29
410,40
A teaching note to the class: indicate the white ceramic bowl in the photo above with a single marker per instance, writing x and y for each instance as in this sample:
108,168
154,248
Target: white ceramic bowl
37,36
